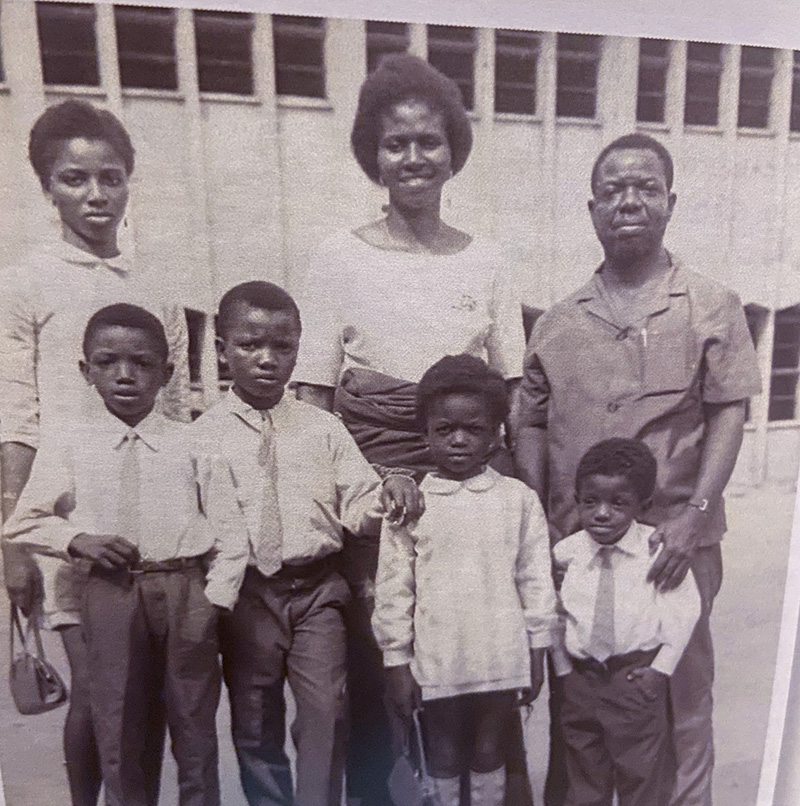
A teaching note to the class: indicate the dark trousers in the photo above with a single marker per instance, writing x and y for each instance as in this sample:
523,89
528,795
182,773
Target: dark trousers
152,636
615,737
288,627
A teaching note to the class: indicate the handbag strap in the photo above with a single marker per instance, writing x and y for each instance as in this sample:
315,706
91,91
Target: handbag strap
32,626
417,731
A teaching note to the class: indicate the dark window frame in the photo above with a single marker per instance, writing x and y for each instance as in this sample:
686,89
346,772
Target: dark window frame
513,93
699,70
292,74
59,53
583,63
225,70
383,38
155,68
754,77
794,115
653,79
786,340
461,42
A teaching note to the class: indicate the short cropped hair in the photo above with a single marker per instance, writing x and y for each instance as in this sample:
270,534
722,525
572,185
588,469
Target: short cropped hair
462,373
400,78
257,294
637,140
618,456
123,314
71,119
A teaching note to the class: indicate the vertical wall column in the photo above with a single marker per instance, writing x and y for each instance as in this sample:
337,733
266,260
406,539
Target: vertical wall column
617,83
728,123
546,107
418,40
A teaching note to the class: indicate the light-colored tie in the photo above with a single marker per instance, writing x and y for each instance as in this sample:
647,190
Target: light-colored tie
601,641
128,514
269,550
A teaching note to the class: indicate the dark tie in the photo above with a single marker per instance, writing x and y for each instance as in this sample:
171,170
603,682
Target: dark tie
601,641
268,550
128,515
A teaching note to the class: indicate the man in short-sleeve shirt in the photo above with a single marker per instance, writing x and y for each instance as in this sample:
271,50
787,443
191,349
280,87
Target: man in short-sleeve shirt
651,350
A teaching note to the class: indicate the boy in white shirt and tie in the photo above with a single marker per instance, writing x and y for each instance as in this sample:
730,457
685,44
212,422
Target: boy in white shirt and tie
167,547
620,637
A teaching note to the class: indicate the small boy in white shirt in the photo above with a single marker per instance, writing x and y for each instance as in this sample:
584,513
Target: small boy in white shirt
620,637
464,599
167,546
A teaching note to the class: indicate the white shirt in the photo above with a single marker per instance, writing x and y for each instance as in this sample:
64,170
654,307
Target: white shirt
47,300
324,483
466,591
399,312
187,506
644,618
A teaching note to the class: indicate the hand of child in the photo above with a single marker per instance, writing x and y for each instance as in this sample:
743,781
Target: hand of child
402,499
403,691
648,680
537,677
108,551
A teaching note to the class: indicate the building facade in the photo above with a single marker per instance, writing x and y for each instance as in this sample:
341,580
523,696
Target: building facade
241,126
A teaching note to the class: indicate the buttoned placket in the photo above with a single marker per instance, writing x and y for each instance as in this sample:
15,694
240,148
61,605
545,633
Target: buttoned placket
128,510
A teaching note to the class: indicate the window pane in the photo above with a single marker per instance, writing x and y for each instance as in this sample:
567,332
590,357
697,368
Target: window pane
451,49
794,122
146,44
781,409
755,87
516,54
224,42
384,38
576,75
703,71
652,92
68,43
299,55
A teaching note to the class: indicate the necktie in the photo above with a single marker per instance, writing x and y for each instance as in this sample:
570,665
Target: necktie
128,515
601,641
268,551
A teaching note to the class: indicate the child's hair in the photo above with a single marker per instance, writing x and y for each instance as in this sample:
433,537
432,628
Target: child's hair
618,456
124,315
462,373
258,294
68,120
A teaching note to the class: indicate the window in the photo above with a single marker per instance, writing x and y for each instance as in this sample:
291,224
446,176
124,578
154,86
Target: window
299,55
794,121
756,317
451,49
146,45
651,95
755,87
703,73
785,365
68,44
195,325
515,57
576,75
384,38
224,42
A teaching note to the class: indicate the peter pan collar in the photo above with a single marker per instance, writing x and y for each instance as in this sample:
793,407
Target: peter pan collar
436,485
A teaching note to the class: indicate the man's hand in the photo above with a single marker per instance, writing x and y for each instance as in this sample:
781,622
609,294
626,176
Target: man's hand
680,536
537,677
402,499
108,551
648,680
403,692
22,575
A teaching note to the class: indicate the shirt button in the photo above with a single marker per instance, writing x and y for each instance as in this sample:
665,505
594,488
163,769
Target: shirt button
613,407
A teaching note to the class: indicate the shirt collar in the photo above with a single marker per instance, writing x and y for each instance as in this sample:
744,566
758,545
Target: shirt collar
592,293
150,431
634,542
437,485
252,417
121,263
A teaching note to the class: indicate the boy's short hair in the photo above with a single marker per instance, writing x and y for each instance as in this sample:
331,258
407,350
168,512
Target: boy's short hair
618,456
462,373
122,314
637,140
401,77
257,294
71,119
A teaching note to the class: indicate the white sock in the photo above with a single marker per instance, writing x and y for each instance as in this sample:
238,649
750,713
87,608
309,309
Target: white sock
447,791
487,788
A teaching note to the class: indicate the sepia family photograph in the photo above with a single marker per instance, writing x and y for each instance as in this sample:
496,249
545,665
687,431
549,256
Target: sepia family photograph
396,410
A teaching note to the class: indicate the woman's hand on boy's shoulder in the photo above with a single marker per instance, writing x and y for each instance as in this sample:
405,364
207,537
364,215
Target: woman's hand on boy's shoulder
402,500
111,552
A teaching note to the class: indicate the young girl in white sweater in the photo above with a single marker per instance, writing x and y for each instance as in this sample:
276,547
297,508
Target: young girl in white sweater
464,603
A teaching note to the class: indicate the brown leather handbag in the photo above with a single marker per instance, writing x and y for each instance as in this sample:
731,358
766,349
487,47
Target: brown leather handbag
35,684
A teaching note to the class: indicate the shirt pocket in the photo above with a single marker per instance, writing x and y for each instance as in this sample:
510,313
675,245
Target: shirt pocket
667,364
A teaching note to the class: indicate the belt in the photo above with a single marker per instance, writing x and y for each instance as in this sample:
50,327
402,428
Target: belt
640,657
299,575
165,566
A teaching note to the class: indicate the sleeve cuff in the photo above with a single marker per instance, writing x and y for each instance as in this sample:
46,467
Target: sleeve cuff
541,639
220,595
397,657
665,662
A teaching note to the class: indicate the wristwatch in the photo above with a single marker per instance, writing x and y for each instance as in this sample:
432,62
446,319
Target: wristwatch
702,504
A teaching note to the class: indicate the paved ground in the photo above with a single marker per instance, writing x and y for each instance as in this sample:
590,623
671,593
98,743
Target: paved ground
745,624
